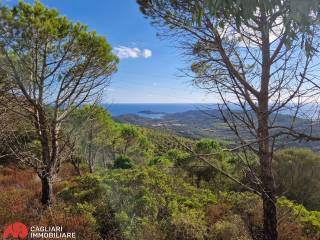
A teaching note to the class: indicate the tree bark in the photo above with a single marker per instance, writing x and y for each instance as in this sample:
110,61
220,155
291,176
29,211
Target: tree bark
90,150
269,200
265,156
76,164
267,188
47,191
49,158
77,168
267,181
91,170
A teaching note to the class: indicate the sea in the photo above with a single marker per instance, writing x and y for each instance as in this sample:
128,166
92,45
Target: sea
154,110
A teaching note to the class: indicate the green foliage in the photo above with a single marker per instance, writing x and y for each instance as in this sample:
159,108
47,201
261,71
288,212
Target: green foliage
102,142
310,220
123,162
232,228
136,199
180,158
132,142
144,201
68,52
212,150
24,20
161,161
129,133
54,65
189,224
94,131
165,141
130,136
298,16
84,189
207,146
243,203
152,196
297,175
194,162
249,206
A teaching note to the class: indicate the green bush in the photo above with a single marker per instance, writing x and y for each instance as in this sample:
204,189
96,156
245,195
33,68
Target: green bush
291,216
123,162
140,203
297,176
161,161
147,196
310,220
84,189
232,228
147,203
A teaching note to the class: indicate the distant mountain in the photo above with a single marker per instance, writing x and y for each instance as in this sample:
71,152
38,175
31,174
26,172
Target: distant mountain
193,124
198,124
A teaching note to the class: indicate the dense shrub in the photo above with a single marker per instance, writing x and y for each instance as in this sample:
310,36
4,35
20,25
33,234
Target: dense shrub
123,162
294,220
231,228
144,201
147,203
161,161
300,217
297,176
79,222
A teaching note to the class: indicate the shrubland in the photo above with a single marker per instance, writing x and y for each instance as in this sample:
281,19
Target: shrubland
148,185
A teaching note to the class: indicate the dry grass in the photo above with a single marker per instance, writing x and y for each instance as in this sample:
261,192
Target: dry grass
19,201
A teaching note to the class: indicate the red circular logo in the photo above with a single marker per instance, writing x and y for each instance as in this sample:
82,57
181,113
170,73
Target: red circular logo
17,231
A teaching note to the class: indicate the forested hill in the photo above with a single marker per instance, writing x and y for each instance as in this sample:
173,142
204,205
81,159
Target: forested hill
197,124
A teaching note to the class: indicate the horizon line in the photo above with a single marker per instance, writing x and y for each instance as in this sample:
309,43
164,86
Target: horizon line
157,103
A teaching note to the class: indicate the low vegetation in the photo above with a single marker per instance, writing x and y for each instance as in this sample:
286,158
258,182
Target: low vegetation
150,186
69,163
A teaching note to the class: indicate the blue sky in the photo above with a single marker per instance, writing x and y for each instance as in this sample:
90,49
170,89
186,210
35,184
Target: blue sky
149,67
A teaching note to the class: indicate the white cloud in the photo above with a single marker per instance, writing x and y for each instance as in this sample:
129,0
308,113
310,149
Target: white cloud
147,53
127,52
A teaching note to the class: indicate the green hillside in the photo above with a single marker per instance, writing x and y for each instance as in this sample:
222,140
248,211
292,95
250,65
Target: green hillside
148,183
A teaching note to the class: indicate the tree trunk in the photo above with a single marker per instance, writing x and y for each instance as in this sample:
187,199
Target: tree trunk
90,151
269,200
47,191
267,188
265,156
91,170
77,168
113,150
91,160
76,164
104,160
